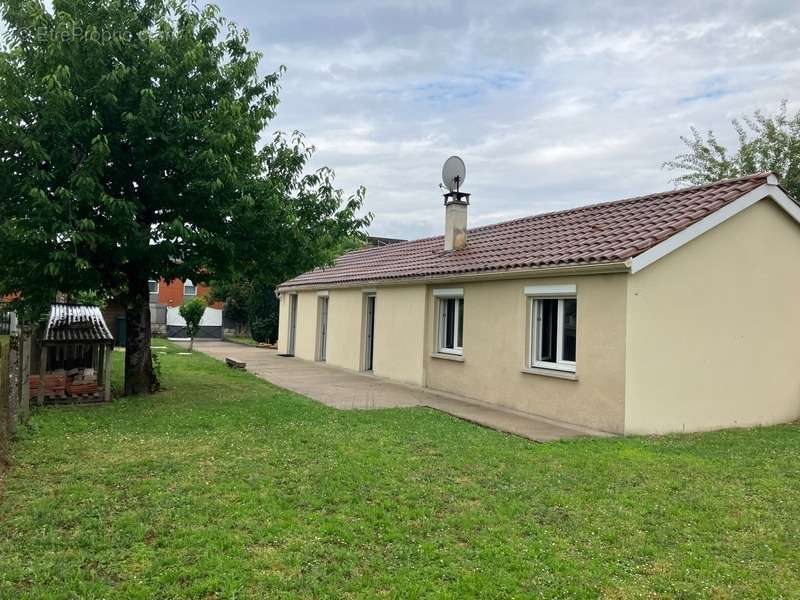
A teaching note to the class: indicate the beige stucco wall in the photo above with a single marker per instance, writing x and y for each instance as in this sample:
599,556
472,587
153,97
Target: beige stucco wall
495,349
344,326
345,314
283,323
714,329
399,333
305,345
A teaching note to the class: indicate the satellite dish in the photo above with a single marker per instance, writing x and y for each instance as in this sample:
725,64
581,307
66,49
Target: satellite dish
454,172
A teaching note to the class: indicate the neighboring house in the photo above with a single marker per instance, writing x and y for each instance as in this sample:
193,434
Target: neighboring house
671,312
165,319
166,300
8,318
382,241
176,292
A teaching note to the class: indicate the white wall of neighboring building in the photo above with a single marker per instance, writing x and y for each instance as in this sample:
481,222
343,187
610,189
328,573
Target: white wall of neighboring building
211,318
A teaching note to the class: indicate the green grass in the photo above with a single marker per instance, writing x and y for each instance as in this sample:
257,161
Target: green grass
241,339
225,486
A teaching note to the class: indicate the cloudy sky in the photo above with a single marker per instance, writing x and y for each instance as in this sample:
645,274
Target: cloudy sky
550,104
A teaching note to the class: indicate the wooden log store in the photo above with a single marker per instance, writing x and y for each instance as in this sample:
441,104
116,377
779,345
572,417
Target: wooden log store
71,358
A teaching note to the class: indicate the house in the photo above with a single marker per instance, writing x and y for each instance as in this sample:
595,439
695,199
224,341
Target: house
177,291
676,311
166,298
382,241
8,318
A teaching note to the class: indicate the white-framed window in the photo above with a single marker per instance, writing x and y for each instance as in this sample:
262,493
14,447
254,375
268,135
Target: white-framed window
189,288
450,321
554,327
152,284
554,333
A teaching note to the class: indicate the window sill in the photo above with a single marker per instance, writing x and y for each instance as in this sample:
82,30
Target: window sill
445,356
570,375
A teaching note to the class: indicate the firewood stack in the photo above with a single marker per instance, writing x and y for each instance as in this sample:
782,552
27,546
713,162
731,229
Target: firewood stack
75,382
54,384
82,381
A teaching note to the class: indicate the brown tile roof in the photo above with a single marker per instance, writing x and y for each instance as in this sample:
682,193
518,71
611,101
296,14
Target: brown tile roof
600,233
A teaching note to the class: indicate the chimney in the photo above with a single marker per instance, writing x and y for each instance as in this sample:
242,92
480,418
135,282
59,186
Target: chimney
455,220
456,202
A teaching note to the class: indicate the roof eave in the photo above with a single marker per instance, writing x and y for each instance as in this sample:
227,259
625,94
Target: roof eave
523,273
743,202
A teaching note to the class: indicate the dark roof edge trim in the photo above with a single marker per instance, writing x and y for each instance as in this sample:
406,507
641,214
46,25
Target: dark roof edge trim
496,274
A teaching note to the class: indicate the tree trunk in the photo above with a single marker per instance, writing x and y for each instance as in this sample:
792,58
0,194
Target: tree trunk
139,375
191,343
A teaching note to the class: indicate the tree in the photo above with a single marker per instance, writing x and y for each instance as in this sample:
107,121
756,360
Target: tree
129,151
766,143
234,294
192,312
262,313
309,231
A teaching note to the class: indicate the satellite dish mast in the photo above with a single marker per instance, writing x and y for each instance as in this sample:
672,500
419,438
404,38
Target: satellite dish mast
454,173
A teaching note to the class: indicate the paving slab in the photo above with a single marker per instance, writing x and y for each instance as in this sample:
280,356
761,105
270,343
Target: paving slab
348,390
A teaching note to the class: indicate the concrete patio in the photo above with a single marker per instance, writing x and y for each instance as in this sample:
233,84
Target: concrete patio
347,390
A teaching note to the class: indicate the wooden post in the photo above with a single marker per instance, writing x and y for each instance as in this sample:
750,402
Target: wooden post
13,383
42,375
7,426
107,350
25,373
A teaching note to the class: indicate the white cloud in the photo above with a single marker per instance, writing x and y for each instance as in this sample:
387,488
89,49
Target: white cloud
551,104
561,153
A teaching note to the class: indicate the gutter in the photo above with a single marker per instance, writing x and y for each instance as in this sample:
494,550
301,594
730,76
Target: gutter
526,273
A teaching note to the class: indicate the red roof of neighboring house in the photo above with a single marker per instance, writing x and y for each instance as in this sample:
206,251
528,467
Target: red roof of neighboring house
588,235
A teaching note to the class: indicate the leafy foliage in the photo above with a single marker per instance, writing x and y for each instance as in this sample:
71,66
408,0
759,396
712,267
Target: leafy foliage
130,138
263,314
235,296
192,312
123,157
305,225
766,143
157,368
302,219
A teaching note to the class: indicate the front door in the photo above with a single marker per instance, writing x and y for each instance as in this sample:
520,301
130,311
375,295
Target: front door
323,327
292,323
369,333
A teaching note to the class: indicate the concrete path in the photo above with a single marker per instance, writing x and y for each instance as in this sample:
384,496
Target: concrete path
347,390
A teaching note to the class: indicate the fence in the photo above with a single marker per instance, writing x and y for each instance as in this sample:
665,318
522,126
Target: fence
6,414
158,314
5,323
15,368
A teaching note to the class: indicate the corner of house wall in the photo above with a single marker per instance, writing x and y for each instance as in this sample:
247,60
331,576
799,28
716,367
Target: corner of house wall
426,331
283,324
630,306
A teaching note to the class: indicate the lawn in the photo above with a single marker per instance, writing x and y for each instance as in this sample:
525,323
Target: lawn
241,339
225,486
